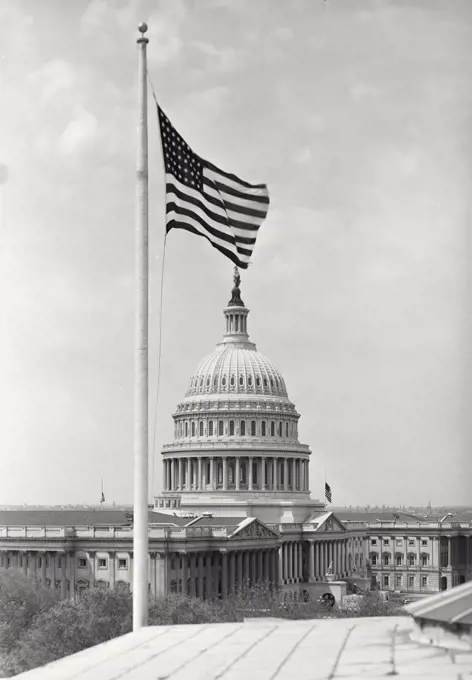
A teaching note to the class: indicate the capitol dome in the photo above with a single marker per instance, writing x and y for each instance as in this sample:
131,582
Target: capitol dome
236,430
233,370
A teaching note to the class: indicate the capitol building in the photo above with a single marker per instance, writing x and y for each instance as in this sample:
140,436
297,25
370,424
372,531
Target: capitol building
235,509
236,450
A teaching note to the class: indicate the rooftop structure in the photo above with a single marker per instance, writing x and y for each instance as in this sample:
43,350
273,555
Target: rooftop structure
264,650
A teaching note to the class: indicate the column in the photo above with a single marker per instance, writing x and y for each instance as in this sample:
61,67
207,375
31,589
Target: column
449,561
237,472
225,473
253,567
281,561
322,560
232,572
311,561
275,570
53,570
246,568
199,477
290,561
250,472
72,559
184,572
285,474
260,566
263,473
181,473
240,579
212,473
43,568
209,575
300,561
224,574
275,469
285,562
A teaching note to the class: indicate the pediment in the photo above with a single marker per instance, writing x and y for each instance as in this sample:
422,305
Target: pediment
253,528
327,523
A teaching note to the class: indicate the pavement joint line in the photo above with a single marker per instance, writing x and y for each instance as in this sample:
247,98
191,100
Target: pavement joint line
332,672
199,653
245,652
295,646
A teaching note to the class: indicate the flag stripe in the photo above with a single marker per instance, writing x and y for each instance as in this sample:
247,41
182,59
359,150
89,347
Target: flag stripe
232,178
235,228
176,224
201,225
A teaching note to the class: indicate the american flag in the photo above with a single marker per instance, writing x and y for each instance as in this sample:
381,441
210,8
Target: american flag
328,492
208,201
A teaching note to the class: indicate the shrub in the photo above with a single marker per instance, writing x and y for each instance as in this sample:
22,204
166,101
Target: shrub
178,609
70,627
21,600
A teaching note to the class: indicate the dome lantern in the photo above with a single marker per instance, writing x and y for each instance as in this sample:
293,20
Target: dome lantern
236,315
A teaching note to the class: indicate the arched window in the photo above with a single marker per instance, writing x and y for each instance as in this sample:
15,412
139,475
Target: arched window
272,429
243,428
220,428
231,428
286,429
201,428
193,428
265,382
223,381
232,381
263,428
258,381
186,428
241,380
253,428
249,381
210,428
280,429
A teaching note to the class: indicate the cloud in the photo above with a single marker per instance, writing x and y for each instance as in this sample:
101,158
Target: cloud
303,156
361,90
52,78
283,33
220,59
80,132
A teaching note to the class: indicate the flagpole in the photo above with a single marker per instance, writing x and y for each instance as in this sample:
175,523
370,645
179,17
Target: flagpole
141,471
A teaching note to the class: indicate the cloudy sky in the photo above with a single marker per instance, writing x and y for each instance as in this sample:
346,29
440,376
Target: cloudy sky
357,114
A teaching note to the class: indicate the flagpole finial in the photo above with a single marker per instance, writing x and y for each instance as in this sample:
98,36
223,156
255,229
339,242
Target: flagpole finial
142,28
236,277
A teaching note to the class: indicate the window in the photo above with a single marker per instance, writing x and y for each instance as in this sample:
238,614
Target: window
424,581
411,560
122,563
411,542
386,580
232,381
280,429
253,428
241,381
398,580
286,429
201,428
193,428
231,428
220,428
249,381
265,382
399,560
399,542
424,542
82,563
243,428
186,429
386,559
102,563
263,429
272,429
411,581
258,381
374,541
386,541
424,560
210,428
223,381
373,558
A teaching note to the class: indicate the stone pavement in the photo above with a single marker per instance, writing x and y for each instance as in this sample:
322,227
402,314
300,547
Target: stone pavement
264,649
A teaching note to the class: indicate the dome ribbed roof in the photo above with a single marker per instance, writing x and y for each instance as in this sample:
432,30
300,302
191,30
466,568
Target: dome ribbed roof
236,370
